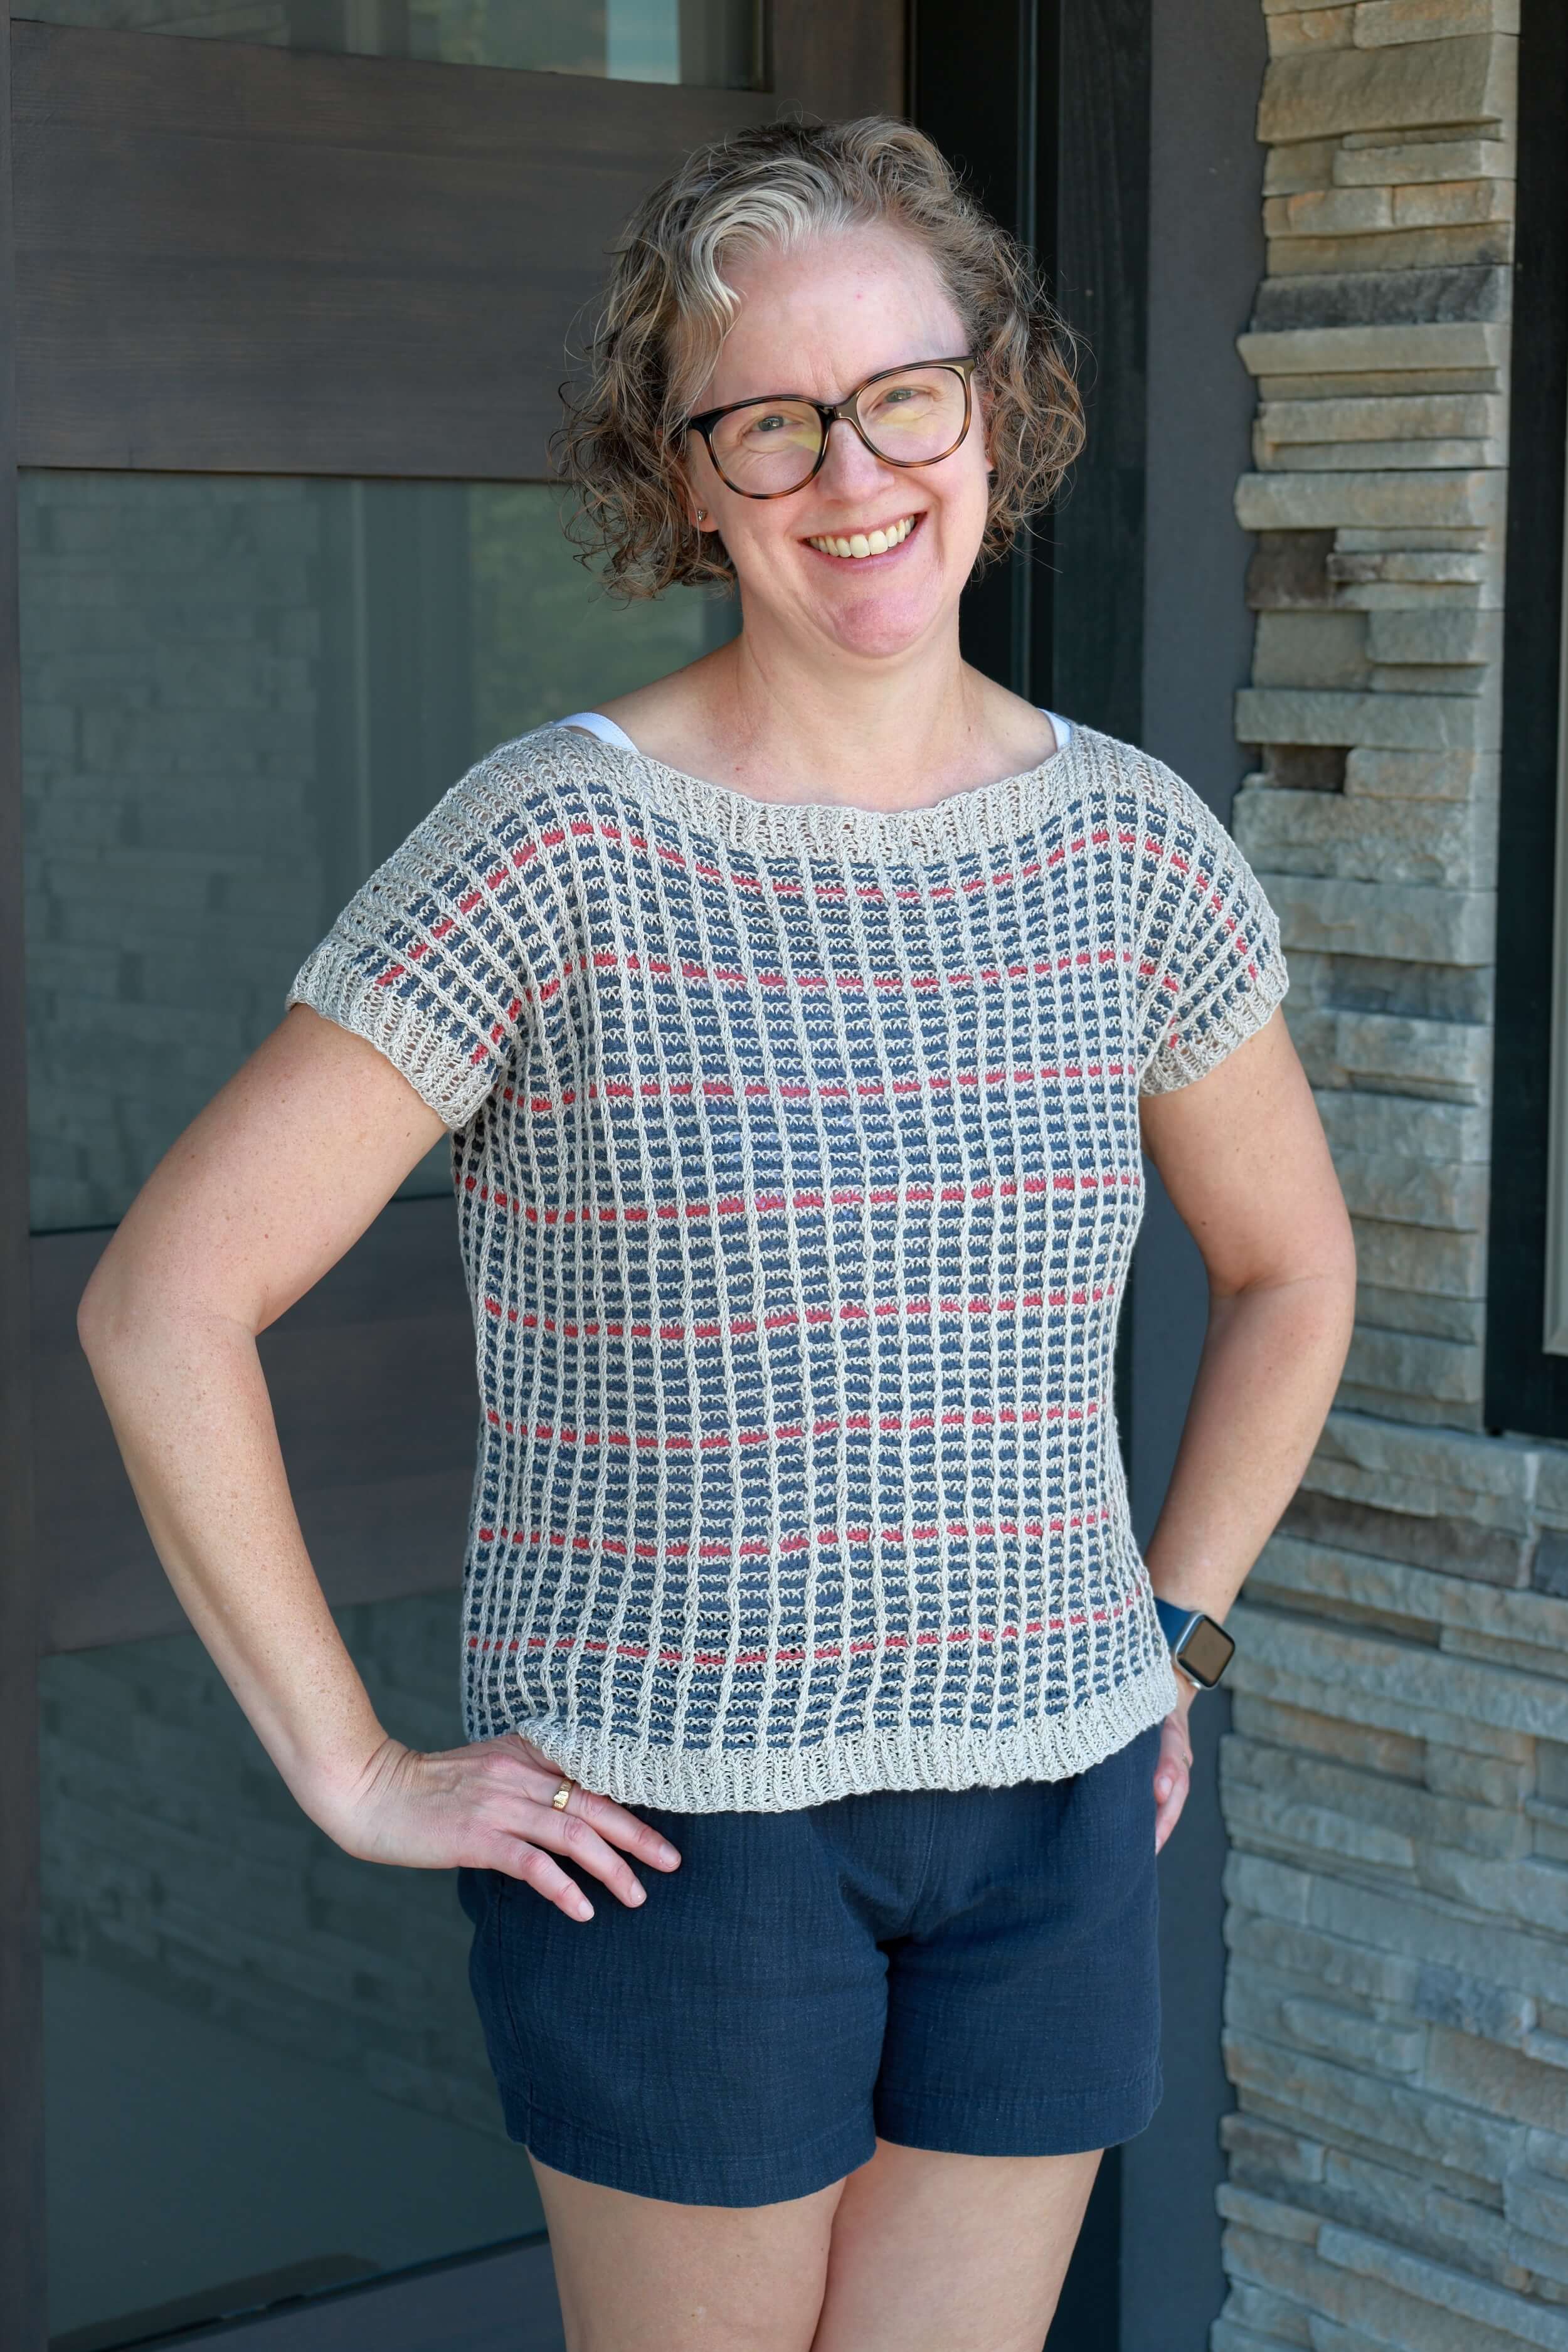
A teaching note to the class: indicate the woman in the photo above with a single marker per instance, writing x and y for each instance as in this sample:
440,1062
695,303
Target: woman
796,1021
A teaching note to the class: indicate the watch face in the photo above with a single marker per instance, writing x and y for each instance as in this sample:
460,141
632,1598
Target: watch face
1206,1651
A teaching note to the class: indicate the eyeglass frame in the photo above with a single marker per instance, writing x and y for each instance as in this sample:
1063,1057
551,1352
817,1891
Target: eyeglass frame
838,411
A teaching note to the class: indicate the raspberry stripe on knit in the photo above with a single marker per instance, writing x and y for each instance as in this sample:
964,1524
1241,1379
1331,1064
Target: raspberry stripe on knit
796,1156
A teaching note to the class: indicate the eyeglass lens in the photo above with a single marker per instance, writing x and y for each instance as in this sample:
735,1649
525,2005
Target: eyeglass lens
771,446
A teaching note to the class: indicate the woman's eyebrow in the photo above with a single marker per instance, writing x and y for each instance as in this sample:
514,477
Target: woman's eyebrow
776,393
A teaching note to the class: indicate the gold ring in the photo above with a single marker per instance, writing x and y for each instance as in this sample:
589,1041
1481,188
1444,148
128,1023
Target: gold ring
563,1795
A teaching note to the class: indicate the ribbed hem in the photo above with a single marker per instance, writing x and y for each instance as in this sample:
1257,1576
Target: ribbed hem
720,1780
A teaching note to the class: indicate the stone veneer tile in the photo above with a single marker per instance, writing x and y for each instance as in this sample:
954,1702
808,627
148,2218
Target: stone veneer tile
1412,161
1394,919
1400,293
1407,247
1383,21
1291,31
1388,346
1470,79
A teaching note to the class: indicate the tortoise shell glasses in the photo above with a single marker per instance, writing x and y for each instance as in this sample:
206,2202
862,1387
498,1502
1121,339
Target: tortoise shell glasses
771,446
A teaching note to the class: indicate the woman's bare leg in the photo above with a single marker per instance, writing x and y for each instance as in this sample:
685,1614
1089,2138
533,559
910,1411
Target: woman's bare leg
952,2254
915,2251
642,2274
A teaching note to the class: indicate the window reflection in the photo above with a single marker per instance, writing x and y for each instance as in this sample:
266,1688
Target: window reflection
240,695
714,44
265,2074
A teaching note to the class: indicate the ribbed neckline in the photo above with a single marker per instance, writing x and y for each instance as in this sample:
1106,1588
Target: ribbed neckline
982,816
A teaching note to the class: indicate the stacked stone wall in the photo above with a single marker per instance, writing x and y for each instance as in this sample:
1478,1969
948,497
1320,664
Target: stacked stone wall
1395,1785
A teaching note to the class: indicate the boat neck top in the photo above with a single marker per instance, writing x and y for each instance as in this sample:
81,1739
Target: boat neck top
797,1156
971,814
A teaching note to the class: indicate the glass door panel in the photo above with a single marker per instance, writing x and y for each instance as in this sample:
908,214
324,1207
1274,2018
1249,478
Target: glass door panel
239,694
713,44
265,2074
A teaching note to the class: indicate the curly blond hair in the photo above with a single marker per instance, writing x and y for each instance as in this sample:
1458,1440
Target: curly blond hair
668,310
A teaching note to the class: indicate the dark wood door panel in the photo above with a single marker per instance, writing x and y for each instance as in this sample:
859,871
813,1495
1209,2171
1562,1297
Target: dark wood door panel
241,259
238,259
373,1385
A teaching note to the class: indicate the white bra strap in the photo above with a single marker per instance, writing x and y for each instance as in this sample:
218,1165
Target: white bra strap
608,732
596,724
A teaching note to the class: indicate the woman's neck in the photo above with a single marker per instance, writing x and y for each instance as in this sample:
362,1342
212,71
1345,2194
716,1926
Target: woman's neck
780,726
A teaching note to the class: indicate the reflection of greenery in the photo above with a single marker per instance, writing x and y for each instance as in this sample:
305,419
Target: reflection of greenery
712,42
562,36
546,639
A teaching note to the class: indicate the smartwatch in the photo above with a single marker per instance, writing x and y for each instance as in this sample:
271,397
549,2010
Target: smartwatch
1201,1647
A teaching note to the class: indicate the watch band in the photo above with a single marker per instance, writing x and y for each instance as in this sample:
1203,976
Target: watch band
1174,1619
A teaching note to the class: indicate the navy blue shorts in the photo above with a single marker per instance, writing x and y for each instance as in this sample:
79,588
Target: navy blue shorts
973,1969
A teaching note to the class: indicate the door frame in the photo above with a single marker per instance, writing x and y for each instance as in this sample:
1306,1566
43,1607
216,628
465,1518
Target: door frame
1045,104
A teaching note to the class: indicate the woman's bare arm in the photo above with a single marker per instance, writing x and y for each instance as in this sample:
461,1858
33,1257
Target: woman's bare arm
264,1191
1243,1155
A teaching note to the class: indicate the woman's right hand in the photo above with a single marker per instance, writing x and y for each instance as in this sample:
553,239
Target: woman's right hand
487,1805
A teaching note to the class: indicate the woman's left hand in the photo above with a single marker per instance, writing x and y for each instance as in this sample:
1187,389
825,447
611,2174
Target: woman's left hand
1171,1773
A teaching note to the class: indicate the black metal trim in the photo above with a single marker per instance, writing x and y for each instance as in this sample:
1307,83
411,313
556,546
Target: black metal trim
1044,105
496,2296
1525,1389
23,2323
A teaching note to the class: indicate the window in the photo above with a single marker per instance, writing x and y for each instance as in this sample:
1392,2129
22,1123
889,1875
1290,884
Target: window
238,694
716,43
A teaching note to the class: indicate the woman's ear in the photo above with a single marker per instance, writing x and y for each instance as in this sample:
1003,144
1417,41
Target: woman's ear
697,512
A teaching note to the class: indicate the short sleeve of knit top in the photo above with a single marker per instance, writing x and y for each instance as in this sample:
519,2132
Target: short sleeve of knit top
445,952
1210,967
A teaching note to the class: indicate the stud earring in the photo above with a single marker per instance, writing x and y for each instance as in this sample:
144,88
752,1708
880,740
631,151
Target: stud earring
702,514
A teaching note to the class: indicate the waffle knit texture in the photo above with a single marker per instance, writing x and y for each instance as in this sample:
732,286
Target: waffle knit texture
797,1156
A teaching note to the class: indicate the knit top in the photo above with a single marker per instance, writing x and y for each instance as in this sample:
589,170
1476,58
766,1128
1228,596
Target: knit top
796,1155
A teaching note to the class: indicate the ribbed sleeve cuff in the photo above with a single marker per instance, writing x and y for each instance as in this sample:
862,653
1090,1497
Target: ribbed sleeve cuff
1181,1059
398,1024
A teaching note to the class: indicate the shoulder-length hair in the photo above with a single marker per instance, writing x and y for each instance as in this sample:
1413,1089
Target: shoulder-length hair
668,310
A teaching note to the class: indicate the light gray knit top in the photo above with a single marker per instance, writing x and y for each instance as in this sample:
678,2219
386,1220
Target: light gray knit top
796,1155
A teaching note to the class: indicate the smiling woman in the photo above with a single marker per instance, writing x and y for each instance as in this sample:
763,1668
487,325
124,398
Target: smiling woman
671,311
823,372
798,1020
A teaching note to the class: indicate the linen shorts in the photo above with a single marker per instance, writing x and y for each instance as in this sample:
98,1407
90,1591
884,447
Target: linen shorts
969,1970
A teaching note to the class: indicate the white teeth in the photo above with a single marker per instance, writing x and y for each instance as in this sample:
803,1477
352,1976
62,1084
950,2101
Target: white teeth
861,543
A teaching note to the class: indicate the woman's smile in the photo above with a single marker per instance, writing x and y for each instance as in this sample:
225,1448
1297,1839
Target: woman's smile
880,541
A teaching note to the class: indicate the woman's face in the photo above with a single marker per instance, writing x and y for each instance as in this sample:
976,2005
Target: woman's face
819,321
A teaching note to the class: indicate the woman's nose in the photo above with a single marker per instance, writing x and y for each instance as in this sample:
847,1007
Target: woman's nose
849,467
